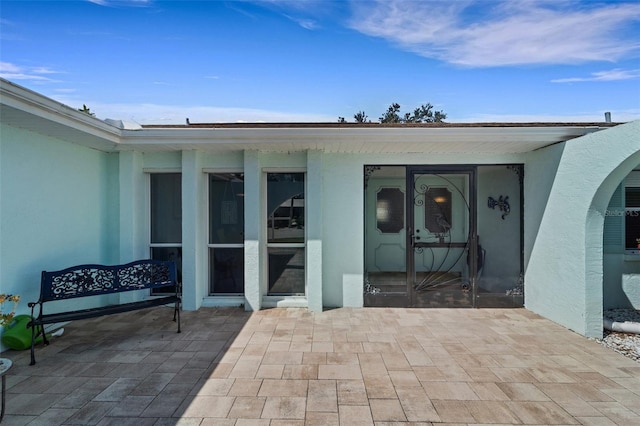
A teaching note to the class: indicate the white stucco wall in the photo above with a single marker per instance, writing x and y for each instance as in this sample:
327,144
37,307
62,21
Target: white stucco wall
59,208
194,231
563,280
343,231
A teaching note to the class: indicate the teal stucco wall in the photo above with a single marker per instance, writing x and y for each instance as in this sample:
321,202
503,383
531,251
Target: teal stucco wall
564,275
58,208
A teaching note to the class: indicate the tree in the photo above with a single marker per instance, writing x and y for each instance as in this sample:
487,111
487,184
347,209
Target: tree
86,110
360,117
426,114
423,114
341,120
391,116
439,116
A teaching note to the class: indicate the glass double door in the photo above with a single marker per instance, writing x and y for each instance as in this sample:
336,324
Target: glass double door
421,239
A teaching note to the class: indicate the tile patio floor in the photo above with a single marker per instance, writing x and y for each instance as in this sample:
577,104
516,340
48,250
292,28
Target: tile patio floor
343,366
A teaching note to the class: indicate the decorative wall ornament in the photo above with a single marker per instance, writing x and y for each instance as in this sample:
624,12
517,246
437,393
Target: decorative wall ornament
369,288
502,203
518,290
518,169
368,171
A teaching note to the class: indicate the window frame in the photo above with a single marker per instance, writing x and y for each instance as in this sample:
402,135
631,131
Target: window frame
210,245
631,181
151,245
268,245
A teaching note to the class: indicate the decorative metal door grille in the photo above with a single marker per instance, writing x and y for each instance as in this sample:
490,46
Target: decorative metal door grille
440,238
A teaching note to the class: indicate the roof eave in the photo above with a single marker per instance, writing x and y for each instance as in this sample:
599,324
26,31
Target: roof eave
354,139
29,110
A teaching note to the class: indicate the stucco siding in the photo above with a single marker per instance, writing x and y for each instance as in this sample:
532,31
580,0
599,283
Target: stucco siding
59,208
539,173
343,225
564,274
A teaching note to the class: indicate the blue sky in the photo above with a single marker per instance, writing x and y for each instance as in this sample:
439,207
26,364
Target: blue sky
316,60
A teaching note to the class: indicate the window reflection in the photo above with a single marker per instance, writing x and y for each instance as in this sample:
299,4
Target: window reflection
286,233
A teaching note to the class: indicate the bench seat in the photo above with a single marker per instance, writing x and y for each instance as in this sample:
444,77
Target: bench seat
99,280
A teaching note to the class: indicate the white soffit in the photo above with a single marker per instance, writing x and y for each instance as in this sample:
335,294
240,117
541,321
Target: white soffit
468,139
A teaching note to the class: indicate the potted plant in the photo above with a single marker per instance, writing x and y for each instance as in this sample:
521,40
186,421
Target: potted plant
6,318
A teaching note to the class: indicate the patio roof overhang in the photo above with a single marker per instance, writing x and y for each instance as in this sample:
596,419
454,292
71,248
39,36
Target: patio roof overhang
365,139
25,109
29,110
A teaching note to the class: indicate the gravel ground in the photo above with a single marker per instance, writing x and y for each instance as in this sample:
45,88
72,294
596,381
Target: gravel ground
626,344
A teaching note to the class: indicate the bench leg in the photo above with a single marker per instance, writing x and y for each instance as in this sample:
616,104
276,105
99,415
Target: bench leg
34,336
44,336
176,314
33,344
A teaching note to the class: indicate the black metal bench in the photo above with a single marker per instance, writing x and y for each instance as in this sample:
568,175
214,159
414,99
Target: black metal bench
97,280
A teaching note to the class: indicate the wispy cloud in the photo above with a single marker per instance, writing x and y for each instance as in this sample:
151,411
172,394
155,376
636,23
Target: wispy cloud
12,71
301,5
611,75
618,116
307,24
498,33
149,113
160,113
136,3
305,13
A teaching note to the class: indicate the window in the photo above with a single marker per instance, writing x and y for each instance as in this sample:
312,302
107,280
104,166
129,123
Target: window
622,218
390,210
166,221
632,218
437,210
285,233
226,233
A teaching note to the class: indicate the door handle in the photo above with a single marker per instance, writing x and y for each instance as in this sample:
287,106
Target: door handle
414,236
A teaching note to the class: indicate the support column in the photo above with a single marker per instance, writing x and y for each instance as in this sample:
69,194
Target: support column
194,248
313,226
133,209
253,239
133,241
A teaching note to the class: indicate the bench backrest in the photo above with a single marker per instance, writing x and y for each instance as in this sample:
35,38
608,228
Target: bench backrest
92,280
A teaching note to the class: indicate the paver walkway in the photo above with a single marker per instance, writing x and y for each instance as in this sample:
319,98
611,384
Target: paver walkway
342,366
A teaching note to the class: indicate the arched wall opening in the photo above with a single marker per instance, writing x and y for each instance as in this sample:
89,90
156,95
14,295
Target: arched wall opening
605,268
564,276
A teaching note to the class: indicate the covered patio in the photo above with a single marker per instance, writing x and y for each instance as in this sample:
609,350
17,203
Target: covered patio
342,366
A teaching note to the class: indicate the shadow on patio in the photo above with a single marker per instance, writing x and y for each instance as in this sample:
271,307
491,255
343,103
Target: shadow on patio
342,366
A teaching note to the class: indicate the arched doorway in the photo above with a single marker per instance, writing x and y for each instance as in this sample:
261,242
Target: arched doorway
620,273
564,274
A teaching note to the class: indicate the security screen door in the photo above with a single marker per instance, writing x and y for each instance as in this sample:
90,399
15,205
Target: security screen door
440,236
